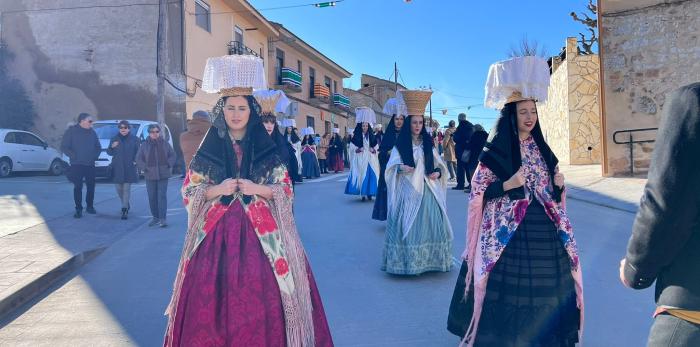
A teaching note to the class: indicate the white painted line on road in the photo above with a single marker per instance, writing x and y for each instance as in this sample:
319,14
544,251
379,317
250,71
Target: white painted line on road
456,261
328,178
343,179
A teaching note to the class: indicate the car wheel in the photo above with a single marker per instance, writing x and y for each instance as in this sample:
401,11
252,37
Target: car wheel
5,167
56,167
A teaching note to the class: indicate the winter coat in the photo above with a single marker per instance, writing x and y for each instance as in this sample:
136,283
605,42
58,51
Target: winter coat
124,158
448,145
665,242
81,145
153,168
323,149
190,139
462,136
476,145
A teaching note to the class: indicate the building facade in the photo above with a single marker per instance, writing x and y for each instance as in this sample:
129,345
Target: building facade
312,82
648,49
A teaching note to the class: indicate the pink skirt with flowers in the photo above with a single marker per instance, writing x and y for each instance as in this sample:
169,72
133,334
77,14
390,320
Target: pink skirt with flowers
230,296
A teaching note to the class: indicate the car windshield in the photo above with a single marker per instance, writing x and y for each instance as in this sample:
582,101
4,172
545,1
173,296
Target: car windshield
107,131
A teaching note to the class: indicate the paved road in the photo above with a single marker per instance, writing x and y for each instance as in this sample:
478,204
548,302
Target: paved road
118,299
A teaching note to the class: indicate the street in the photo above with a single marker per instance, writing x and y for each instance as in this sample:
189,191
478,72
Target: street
118,298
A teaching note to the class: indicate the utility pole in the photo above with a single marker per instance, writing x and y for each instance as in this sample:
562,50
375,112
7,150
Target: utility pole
431,106
396,78
162,63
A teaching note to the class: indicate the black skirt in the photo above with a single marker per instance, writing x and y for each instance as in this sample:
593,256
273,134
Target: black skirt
379,211
530,296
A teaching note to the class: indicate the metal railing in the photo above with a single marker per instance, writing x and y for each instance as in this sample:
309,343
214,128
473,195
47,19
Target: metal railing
631,142
238,48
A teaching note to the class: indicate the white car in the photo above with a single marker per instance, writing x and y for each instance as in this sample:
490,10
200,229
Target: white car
24,151
107,129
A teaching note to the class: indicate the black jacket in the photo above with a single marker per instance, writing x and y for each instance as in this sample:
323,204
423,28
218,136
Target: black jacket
462,136
476,145
81,145
665,242
124,158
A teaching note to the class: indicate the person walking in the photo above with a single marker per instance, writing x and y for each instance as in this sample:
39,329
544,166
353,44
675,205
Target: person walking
123,149
475,147
448,144
81,145
462,136
197,127
364,169
665,242
335,152
156,159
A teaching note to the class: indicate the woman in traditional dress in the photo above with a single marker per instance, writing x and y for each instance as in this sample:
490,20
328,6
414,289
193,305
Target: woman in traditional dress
418,235
290,134
520,283
285,150
309,159
364,169
335,152
388,142
243,277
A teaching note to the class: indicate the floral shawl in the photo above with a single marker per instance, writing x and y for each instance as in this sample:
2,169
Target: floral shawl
491,225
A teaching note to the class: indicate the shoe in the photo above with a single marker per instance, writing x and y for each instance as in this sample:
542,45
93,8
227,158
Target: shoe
90,210
153,222
363,199
458,188
78,213
125,211
369,198
163,224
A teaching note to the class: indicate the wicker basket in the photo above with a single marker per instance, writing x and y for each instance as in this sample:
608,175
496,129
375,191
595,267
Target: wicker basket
416,100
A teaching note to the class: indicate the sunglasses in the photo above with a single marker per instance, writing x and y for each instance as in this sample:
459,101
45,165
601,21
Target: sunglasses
123,127
154,131
89,121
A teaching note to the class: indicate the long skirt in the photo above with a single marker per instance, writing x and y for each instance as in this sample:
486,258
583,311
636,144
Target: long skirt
293,167
530,296
230,296
428,246
380,204
368,187
310,167
337,164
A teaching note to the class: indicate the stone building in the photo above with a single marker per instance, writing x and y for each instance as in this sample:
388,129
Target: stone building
374,93
648,48
570,118
99,56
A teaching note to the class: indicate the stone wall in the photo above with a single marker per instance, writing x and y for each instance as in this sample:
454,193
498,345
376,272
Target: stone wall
647,53
86,58
570,118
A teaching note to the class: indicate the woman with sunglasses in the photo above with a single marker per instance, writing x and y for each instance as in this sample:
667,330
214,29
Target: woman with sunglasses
123,148
156,159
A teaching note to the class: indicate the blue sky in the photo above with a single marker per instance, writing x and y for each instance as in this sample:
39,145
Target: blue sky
448,44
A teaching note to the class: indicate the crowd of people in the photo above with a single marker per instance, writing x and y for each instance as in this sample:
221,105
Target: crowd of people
244,276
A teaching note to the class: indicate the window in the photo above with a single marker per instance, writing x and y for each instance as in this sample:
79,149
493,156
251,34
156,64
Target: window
202,15
279,64
310,122
29,139
335,86
238,34
327,82
299,66
11,138
312,81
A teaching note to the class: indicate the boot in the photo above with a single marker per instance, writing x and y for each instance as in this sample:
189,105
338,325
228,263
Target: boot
78,213
125,211
90,210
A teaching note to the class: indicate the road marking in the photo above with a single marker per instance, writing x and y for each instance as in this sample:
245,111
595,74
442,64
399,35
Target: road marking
327,178
456,261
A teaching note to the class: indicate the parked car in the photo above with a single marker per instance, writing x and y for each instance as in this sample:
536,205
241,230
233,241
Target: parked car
107,129
25,151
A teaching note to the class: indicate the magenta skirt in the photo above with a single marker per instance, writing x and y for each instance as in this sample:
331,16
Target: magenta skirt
230,296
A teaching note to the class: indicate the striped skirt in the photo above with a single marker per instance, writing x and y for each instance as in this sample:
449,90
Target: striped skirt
530,296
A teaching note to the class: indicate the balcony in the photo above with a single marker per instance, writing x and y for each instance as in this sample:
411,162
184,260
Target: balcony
290,81
238,48
341,102
321,95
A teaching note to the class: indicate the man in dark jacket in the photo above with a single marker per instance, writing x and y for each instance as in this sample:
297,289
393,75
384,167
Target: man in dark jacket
475,147
462,136
156,158
665,242
123,149
82,147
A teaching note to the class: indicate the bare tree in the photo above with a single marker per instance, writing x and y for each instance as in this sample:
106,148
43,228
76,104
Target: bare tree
527,48
591,25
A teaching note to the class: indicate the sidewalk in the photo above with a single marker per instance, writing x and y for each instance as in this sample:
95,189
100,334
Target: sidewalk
34,258
585,183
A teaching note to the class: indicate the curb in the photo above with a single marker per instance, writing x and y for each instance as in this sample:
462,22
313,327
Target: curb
33,289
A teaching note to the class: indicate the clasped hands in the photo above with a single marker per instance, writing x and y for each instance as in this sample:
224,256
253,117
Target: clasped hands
409,169
518,180
231,186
